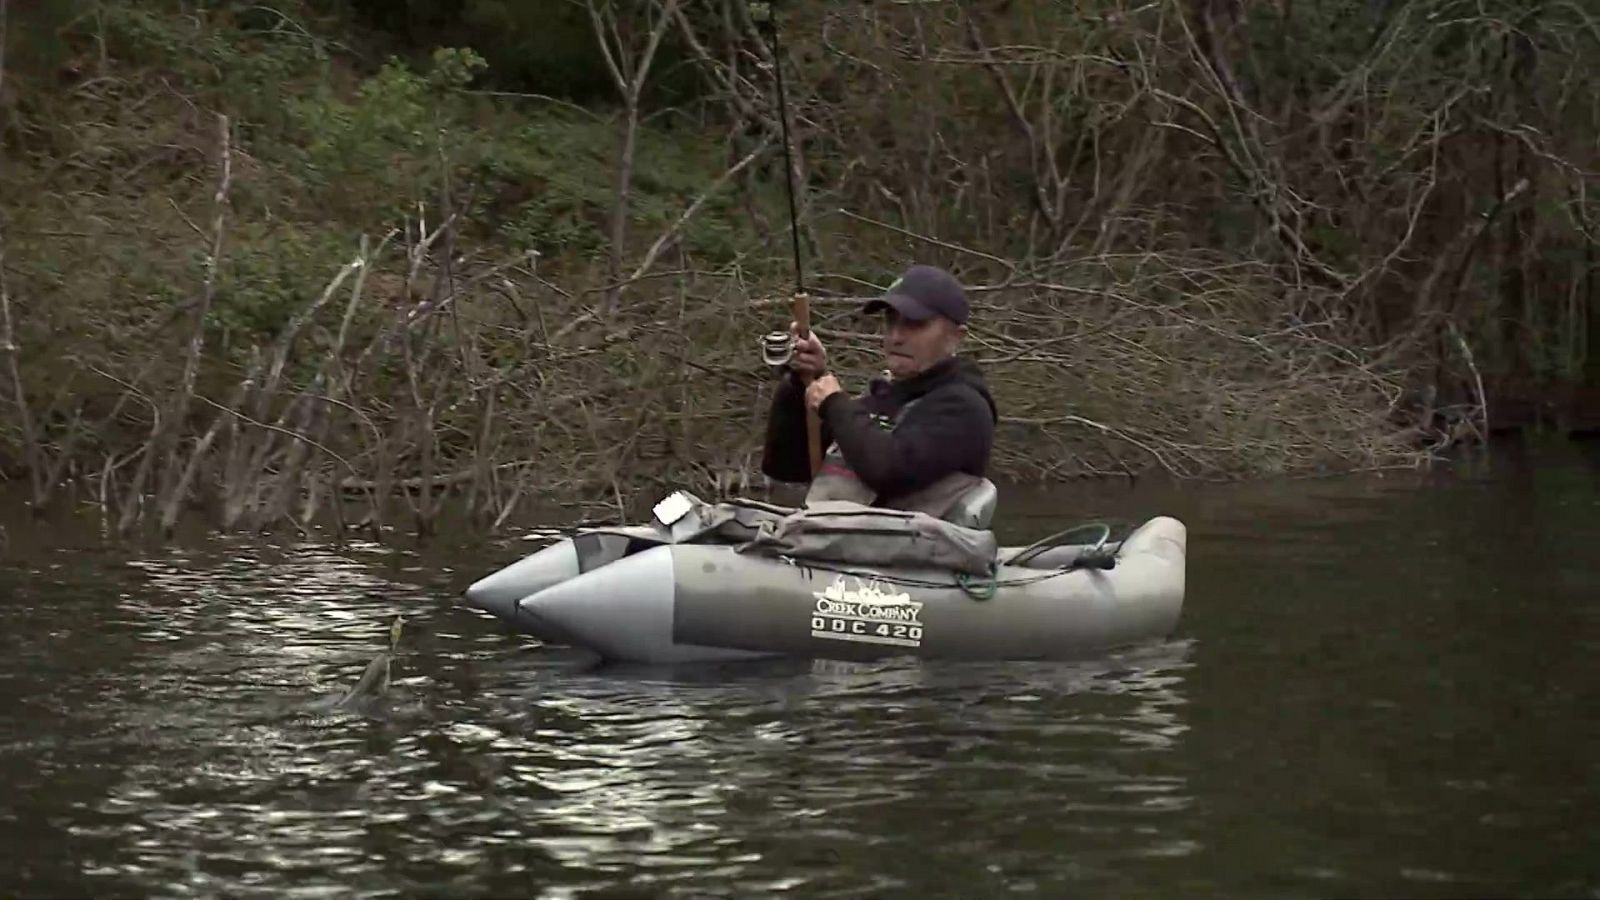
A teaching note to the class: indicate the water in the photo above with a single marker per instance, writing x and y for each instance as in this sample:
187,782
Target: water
1380,687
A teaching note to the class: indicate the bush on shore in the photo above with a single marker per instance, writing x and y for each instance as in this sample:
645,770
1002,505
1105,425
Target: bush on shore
248,268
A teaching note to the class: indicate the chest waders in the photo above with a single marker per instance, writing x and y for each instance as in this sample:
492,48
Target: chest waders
836,480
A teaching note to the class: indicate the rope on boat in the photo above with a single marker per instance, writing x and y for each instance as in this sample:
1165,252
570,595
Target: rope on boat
979,589
1059,538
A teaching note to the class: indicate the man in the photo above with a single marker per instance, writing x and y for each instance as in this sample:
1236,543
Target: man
916,440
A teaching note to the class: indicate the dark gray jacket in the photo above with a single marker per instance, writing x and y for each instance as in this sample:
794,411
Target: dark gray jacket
899,437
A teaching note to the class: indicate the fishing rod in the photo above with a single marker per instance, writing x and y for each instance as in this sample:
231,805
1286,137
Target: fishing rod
762,13
800,306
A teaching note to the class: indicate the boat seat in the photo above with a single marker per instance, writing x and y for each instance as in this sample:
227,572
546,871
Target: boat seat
975,508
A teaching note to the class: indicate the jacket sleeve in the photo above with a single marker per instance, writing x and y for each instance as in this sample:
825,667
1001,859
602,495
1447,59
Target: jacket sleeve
947,431
785,456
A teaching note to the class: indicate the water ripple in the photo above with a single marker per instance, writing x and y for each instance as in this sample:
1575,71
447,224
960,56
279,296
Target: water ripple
1368,700
500,765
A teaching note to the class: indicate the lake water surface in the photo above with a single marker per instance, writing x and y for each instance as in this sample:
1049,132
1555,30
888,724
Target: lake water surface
1380,687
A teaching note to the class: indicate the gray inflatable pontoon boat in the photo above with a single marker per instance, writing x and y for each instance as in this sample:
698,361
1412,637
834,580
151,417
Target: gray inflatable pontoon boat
663,593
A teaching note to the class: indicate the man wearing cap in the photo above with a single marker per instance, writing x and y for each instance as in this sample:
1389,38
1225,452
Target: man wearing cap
916,440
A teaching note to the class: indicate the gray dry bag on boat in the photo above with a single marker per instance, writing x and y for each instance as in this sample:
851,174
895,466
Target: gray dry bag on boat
841,531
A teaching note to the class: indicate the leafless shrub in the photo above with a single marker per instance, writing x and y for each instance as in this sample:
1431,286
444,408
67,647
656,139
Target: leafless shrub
1180,267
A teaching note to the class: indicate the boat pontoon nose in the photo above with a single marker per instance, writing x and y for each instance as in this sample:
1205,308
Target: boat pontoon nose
624,611
498,593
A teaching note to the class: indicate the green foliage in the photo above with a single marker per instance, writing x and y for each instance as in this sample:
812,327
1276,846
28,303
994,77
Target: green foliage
566,169
269,275
1371,135
558,164
389,144
541,46
544,183
41,36
321,153
235,53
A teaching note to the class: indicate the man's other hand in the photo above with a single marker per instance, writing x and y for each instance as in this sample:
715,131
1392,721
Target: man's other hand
820,390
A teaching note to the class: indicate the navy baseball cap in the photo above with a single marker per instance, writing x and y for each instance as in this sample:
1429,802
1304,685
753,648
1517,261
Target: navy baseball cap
922,293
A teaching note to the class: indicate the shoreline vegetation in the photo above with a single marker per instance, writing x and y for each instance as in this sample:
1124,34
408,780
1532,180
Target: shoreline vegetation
281,262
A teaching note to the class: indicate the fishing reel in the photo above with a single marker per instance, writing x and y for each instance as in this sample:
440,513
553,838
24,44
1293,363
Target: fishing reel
777,348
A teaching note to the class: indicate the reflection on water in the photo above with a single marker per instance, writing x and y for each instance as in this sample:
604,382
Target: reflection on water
1379,687
505,766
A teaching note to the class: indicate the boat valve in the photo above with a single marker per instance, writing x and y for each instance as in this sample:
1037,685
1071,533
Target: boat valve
777,347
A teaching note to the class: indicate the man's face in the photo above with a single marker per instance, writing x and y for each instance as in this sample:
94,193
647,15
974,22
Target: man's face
913,347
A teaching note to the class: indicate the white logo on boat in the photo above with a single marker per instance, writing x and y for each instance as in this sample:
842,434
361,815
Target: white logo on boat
866,613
